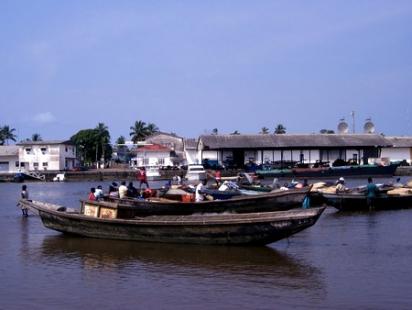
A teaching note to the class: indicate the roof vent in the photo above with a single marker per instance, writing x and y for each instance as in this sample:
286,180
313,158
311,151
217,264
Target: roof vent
343,126
369,127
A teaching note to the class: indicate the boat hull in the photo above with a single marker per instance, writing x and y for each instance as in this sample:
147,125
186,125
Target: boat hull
332,172
278,201
252,228
356,202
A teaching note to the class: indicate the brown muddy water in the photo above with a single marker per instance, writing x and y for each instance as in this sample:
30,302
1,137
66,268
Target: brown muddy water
345,261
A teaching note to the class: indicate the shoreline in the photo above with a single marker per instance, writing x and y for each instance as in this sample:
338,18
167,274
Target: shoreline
130,175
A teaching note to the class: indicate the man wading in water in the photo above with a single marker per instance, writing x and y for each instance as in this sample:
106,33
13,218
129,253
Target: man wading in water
24,195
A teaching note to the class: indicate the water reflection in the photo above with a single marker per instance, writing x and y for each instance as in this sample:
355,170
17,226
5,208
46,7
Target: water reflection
263,263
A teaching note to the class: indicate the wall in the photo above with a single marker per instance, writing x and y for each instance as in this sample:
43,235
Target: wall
9,162
397,154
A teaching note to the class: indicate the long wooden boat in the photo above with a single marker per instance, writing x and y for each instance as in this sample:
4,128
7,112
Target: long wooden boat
358,201
274,201
329,172
104,222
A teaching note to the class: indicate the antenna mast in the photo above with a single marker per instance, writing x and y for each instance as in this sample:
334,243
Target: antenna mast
353,121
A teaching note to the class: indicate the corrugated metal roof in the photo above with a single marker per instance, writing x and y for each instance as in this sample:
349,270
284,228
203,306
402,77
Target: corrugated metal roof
293,141
191,144
45,142
9,150
402,141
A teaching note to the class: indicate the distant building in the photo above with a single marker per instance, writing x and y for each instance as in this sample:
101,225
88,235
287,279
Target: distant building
401,149
9,158
154,155
191,153
46,155
303,148
171,141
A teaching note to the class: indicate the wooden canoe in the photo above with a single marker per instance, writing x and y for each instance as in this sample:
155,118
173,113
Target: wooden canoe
274,201
250,228
358,201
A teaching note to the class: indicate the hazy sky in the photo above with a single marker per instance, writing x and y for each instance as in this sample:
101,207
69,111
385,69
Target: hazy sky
191,66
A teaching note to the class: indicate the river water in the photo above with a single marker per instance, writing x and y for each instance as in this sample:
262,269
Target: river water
345,261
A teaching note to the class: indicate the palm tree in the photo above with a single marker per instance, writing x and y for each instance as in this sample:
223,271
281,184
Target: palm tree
264,131
36,137
103,136
280,129
138,131
7,134
152,128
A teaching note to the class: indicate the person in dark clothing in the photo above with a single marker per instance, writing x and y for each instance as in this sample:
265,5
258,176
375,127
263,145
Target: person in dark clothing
371,192
131,190
24,195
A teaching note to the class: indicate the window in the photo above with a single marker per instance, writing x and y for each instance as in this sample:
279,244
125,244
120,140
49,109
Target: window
45,164
17,164
66,149
36,166
22,165
43,150
28,150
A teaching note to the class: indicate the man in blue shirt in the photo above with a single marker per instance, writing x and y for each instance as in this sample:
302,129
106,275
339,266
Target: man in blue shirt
371,192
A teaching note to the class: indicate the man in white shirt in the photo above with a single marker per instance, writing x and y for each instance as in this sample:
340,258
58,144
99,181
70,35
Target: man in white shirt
123,190
98,193
202,185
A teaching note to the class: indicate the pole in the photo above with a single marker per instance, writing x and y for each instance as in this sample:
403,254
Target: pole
353,121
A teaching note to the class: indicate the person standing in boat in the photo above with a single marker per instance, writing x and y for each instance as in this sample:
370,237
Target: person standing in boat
218,177
199,196
24,195
371,192
142,177
91,194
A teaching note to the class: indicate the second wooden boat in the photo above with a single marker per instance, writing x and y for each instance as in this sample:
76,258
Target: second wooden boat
274,201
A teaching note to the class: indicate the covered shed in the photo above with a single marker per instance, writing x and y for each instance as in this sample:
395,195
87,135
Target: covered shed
303,148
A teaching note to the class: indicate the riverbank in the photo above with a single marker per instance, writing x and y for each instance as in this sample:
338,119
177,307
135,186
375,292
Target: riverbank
130,174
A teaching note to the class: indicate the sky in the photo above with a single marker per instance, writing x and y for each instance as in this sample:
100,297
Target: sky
192,66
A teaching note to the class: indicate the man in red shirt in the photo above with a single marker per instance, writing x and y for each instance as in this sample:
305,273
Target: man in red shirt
91,194
142,177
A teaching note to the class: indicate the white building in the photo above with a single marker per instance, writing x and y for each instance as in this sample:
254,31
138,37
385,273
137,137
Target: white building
46,155
191,154
401,149
9,158
153,155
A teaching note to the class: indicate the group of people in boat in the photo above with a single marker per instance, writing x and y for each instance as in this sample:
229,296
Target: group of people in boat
123,191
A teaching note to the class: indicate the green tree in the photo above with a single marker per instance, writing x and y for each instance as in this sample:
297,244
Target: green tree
280,129
93,144
215,131
103,139
85,141
121,140
138,131
6,134
151,129
264,131
36,137
236,132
